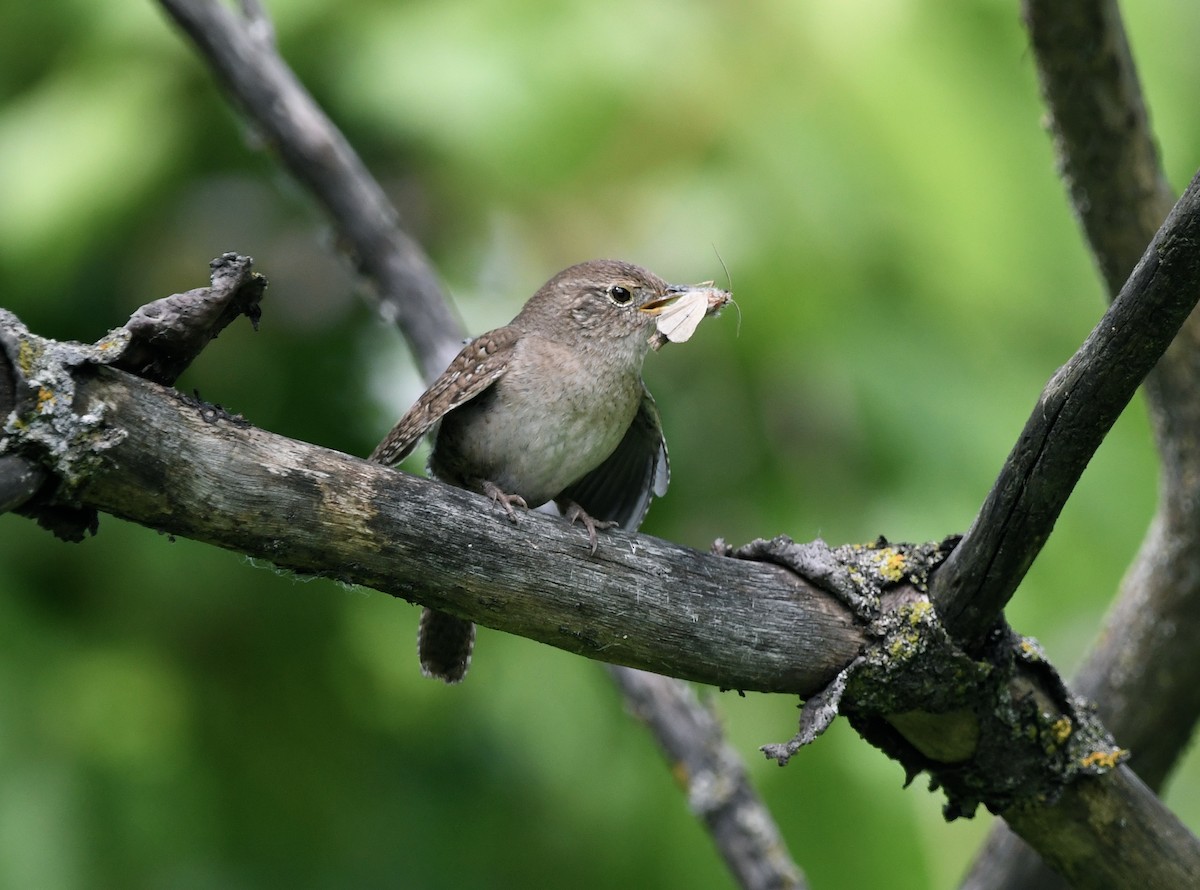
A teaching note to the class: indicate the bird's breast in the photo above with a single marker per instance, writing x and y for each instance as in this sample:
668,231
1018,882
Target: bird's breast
540,427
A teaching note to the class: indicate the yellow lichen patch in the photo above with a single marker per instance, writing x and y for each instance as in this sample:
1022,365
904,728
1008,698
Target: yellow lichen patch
26,356
45,400
903,646
1030,650
1060,729
918,611
1103,759
118,338
679,772
891,564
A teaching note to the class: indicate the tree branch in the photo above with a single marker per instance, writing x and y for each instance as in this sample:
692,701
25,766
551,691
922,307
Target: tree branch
318,155
1074,413
152,456
158,343
20,479
718,789
1120,193
1101,129
1110,163
1098,848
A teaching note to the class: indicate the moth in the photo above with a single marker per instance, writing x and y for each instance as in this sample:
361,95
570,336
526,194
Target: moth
678,315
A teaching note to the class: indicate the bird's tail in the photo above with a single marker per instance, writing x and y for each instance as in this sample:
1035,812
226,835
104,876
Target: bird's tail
444,644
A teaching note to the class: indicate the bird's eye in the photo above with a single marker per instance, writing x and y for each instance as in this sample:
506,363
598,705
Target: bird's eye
619,295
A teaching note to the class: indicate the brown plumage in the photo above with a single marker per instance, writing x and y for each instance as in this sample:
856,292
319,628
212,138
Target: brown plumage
550,407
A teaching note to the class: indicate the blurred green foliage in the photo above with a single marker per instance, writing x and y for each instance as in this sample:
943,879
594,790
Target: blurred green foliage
874,176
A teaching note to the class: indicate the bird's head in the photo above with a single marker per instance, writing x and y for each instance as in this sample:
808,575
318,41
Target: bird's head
617,306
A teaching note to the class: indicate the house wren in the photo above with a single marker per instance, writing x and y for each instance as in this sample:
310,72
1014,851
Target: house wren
552,407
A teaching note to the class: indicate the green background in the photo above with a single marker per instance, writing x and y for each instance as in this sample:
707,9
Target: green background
876,178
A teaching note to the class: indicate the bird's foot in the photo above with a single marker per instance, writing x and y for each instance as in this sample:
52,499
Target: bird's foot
576,513
508,501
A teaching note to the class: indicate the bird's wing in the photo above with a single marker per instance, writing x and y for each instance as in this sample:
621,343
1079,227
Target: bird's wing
480,364
620,489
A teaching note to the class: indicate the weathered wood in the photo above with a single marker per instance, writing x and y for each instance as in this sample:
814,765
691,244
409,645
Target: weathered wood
186,469
1111,833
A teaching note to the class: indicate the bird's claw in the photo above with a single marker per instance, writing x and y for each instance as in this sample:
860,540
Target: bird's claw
508,501
575,513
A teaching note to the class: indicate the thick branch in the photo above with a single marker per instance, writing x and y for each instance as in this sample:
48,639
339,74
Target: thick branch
158,342
317,154
1074,413
642,602
1094,845
1120,194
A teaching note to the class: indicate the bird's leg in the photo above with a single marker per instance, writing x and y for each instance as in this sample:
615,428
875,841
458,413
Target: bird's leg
508,501
576,513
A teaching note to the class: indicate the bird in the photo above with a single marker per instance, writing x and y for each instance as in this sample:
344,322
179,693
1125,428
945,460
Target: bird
552,407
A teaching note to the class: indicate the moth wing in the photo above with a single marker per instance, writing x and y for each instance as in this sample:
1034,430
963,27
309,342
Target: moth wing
679,321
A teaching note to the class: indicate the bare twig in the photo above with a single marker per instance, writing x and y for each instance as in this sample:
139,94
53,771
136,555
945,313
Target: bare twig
318,155
166,335
712,773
